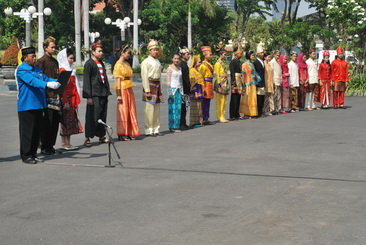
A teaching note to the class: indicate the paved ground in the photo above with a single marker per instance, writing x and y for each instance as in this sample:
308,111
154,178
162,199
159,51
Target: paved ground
289,179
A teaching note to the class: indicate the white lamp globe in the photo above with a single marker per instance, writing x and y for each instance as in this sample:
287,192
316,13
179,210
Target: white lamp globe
108,21
47,11
127,20
8,10
139,22
32,9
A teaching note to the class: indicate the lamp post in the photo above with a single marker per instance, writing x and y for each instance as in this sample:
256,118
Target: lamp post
135,61
93,36
122,24
28,15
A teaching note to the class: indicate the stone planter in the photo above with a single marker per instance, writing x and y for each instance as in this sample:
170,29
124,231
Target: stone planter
9,72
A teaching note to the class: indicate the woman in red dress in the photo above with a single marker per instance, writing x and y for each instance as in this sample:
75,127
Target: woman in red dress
70,123
324,75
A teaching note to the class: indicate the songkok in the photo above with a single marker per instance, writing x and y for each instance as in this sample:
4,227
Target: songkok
206,50
311,51
326,53
94,46
194,60
340,50
184,50
28,50
153,44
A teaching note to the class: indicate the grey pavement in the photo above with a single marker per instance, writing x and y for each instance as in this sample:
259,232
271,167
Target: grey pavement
290,179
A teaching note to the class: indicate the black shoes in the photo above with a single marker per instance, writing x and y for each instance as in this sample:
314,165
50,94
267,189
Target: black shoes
30,160
159,134
48,151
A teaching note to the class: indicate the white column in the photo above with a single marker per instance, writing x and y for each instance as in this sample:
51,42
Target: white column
135,61
86,26
77,14
28,33
40,28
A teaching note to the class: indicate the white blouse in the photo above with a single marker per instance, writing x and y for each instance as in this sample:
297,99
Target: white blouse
174,81
312,71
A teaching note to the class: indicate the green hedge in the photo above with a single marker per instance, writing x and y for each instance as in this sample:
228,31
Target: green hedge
79,70
357,85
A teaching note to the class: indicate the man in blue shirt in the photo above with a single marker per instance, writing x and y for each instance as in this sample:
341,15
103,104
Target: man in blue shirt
32,84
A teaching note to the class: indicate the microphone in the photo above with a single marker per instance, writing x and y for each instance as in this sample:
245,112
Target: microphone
105,125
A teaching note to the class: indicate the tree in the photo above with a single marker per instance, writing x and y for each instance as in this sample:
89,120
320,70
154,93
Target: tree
168,23
244,9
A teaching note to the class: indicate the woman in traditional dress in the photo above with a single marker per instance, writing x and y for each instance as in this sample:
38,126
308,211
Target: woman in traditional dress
269,87
197,88
175,92
285,93
127,125
304,81
70,123
248,102
324,75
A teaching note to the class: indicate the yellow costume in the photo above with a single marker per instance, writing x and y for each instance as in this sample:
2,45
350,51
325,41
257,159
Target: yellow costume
222,88
248,102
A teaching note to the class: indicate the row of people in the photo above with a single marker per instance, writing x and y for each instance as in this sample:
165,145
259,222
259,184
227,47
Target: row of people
258,85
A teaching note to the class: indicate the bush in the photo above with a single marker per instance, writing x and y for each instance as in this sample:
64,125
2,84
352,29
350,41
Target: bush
79,70
10,57
357,85
137,69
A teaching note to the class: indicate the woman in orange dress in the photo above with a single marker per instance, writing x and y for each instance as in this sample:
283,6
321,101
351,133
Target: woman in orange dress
248,102
127,125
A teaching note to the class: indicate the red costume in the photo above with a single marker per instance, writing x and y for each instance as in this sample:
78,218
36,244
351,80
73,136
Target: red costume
324,75
340,78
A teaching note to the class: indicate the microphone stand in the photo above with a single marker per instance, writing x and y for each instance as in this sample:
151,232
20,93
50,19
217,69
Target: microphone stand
111,142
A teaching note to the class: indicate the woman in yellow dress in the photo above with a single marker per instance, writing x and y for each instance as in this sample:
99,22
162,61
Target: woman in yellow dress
197,87
248,102
127,125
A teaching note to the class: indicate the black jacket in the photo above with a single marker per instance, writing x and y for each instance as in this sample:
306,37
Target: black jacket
260,70
185,77
92,82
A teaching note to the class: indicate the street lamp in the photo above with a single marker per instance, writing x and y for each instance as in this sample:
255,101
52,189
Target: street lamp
28,15
93,36
122,24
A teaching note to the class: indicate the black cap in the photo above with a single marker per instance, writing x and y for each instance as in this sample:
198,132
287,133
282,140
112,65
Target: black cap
28,50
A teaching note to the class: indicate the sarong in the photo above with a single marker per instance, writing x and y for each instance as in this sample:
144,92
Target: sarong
174,110
127,124
196,112
248,102
70,123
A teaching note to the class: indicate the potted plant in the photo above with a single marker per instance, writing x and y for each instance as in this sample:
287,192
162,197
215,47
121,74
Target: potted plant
9,60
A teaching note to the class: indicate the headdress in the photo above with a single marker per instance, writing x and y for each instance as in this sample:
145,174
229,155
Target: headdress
28,50
194,60
125,47
284,65
206,50
340,50
292,53
260,49
94,46
153,44
184,50
326,53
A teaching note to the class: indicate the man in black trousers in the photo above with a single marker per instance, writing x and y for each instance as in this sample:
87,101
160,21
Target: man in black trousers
185,55
51,121
259,67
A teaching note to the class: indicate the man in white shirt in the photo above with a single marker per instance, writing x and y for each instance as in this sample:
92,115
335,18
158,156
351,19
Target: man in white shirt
294,82
277,80
313,80
151,94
